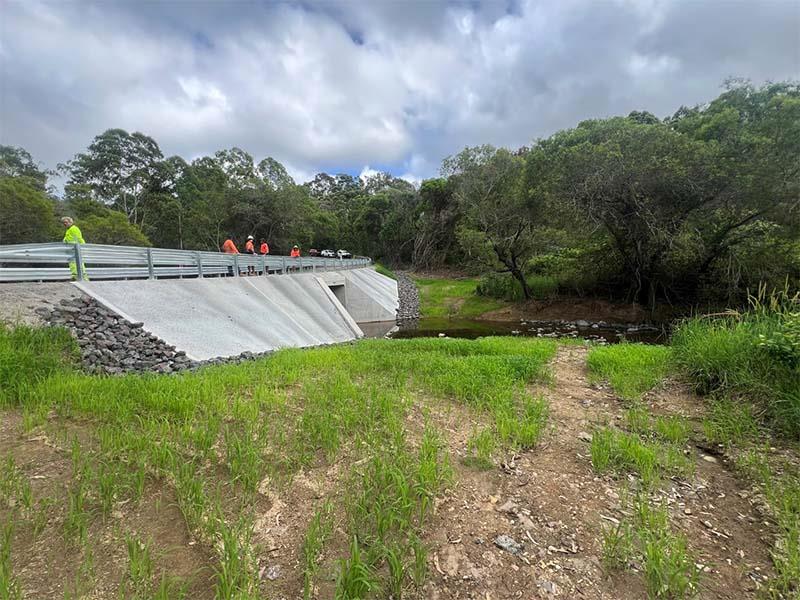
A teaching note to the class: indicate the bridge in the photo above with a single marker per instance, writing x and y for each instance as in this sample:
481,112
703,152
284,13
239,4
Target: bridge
210,304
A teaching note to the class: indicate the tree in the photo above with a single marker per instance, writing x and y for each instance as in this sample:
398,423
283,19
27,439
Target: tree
100,224
274,174
496,229
17,162
119,167
435,228
27,213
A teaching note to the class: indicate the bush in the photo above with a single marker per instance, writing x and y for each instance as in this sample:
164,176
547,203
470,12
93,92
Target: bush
753,355
504,287
27,214
384,271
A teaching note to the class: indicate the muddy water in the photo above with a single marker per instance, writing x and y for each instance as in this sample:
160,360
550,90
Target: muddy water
471,329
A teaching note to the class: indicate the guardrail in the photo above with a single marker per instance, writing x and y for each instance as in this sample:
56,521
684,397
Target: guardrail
59,262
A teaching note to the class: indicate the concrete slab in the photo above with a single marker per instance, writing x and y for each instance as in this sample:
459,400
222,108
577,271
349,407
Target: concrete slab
370,296
207,318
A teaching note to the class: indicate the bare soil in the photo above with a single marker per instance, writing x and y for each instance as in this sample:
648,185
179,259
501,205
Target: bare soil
549,500
18,301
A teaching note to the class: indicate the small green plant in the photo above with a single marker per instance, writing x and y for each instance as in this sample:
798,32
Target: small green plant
618,549
480,448
140,567
9,587
356,578
236,576
76,523
420,567
673,429
397,573
318,532
730,422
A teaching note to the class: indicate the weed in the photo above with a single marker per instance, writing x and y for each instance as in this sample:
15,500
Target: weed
318,532
41,516
356,578
420,566
618,546
480,447
9,587
236,577
631,369
617,451
730,422
672,429
140,566
169,588
76,523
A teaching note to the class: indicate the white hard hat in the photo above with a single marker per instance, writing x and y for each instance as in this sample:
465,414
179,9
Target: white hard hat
249,237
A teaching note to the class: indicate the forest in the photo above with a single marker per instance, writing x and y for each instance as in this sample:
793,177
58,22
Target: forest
698,208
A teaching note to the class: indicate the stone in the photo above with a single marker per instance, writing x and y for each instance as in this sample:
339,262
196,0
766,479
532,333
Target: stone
548,586
709,458
509,544
584,436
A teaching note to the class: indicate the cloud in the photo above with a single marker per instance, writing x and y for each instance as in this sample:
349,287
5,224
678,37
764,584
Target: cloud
338,85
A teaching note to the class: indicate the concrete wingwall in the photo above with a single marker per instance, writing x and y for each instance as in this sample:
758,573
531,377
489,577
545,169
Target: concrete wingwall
212,317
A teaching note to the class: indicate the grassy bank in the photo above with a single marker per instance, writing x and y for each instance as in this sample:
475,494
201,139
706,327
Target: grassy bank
218,444
454,298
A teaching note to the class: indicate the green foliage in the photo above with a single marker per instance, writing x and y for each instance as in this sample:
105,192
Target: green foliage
731,356
28,215
631,369
9,587
505,287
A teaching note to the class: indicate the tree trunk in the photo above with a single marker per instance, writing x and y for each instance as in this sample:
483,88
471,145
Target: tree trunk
519,276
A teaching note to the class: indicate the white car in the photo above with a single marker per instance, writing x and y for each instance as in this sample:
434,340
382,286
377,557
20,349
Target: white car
344,254
328,254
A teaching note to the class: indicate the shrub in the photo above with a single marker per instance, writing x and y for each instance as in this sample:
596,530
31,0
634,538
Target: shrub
504,287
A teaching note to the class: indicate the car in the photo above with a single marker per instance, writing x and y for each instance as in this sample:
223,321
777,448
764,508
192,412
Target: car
344,254
328,254
313,252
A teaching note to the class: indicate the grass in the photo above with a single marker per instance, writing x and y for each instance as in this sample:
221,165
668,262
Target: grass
631,369
668,568
385,271
620,452
453,298
754,355
216,437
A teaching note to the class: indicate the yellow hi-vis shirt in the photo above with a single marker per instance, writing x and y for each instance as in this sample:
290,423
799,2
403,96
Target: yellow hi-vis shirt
73,235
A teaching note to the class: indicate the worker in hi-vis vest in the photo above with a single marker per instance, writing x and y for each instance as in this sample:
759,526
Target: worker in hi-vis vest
295,253
73,236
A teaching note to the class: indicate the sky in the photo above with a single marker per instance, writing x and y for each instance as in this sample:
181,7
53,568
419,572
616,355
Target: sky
356,87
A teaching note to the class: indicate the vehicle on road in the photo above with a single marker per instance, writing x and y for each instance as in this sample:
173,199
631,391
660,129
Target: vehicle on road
328,254
344,254
313,252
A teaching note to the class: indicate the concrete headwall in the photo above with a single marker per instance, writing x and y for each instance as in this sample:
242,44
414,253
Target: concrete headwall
207,318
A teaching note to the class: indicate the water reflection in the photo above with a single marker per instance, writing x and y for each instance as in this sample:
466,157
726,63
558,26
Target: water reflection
471,329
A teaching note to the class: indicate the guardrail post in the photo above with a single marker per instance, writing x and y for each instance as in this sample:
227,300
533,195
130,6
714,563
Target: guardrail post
151,274
199,258
80,275
264,264
236,265
283,265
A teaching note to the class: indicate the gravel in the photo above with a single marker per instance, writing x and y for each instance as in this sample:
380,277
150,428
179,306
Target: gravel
409,298
19,301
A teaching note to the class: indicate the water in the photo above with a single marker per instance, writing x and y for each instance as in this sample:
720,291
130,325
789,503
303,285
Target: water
471,329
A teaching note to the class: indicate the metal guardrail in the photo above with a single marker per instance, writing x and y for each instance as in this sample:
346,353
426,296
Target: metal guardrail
59,262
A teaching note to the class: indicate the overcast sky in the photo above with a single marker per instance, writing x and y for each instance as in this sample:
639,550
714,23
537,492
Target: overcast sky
342,86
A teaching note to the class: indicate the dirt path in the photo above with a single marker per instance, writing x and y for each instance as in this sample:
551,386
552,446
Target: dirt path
552,503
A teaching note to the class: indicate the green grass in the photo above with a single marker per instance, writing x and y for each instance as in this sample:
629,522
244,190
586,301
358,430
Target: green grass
731,357
631,369
620,452
217,436
455,298
668,568
385,271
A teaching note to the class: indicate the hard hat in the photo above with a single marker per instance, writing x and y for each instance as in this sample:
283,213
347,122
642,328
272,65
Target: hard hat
295,246
249,237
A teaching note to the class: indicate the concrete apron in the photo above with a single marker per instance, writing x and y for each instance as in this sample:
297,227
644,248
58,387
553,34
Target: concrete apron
208,318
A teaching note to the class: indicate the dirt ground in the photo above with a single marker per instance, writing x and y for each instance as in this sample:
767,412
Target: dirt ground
549,500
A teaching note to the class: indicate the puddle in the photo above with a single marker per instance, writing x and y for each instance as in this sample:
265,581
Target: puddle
471,329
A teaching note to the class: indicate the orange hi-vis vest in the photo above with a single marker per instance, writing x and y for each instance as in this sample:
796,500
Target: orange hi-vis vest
250,247
264,248
228,247
295,253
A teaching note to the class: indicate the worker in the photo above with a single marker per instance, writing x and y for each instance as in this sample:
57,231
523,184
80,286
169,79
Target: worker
295,253
250,248
228,247
73,236
264,246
